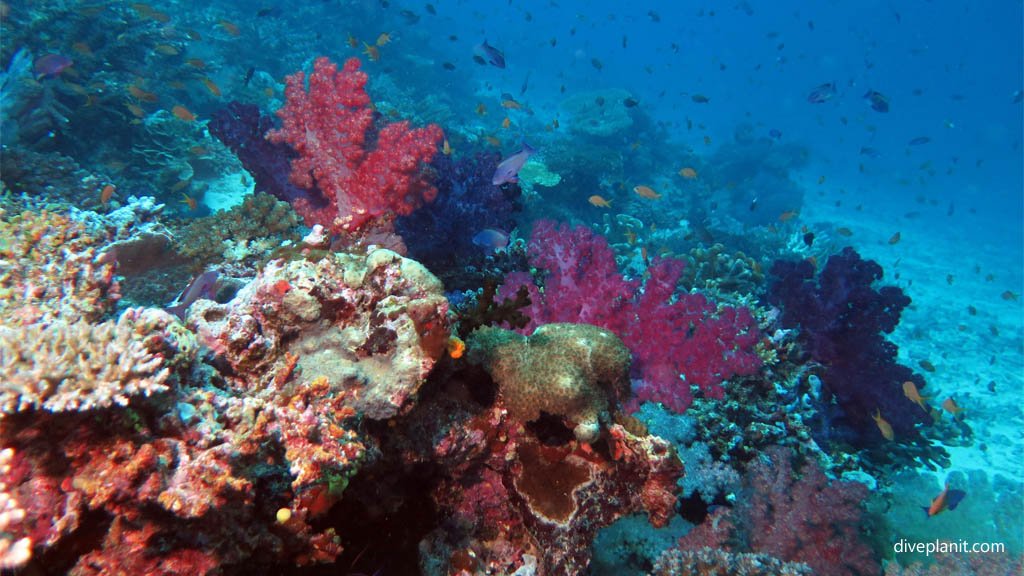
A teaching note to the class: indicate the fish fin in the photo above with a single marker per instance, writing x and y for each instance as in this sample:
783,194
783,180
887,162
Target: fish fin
527,147
927,513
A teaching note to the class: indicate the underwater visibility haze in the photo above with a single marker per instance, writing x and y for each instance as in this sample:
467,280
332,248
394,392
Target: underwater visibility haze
552,288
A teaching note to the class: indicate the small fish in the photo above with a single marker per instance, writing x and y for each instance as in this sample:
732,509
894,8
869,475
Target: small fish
211,86
248,75
809,239
707,140
508,169
188,200
384,38
446,149
688,173
107,193
448,66
352,41
50,65
884,427
410,16
599,202
136,110
646,192
199,150
919,141
822,93
490,54
821,180
481,109
630,103
947,500
950,405
775,134
869,152
506,123
700,99
202,286
82,48
511,103
230,28
372,52
493,141
788,215
196,63
912,394
140,94
927,366
1010,296
270,12
894,239
596,64
878,101
166,50
182,113
430,9
492,239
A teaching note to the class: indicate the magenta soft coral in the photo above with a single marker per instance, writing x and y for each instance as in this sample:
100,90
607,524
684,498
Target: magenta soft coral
328,127
687,335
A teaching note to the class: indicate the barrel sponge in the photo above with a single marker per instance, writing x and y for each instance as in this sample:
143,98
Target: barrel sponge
575,371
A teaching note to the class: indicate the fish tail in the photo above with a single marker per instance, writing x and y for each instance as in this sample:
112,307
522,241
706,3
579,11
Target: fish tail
927,512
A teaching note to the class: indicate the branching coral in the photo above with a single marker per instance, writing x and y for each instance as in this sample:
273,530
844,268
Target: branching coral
81,366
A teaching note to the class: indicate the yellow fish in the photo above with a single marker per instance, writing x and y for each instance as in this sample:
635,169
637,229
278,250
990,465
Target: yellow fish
446,149
598,201
646,192
383,39
371,52
949,405
910,391
688,173
506,123
883,426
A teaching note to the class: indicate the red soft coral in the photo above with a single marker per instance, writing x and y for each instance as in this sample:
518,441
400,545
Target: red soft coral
668,335
328,126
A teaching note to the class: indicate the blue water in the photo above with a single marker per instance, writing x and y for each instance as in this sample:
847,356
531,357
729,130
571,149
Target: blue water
719,87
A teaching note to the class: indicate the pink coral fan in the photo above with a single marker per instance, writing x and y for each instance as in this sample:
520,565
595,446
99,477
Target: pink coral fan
669,335
330,126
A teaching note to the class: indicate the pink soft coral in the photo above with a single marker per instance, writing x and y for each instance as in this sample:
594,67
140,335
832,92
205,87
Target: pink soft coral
328,126
669,336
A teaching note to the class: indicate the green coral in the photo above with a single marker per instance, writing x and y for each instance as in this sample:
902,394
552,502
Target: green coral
713,270
575,371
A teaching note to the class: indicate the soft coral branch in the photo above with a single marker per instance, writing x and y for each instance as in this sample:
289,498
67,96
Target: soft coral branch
330,127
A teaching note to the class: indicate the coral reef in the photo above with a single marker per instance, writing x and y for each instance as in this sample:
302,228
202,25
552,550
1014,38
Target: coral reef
668,335
575,371
243,235
329,127
713,270
843,320
600,113
81,366
713,562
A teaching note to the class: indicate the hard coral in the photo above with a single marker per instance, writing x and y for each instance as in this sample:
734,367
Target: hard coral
575,371
331,129
81,366
373,325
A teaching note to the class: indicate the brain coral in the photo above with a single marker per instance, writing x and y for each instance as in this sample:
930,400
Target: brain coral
575,371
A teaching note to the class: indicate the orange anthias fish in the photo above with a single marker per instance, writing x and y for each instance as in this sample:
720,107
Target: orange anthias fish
211,86
352,41
688,173
884,427
190,201
230,28
895,239
446,149
910,391
456,347
383,39
949,405
510,103
646,192
598,201
107,193
787,216
947,500
182,113
506,123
